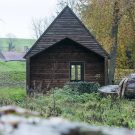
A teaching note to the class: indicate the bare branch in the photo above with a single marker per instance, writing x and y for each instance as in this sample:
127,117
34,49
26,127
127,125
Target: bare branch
39,26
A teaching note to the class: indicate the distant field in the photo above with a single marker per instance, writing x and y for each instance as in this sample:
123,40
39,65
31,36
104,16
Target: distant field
18,43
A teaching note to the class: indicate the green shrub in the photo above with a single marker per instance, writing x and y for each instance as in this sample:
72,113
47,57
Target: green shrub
83,87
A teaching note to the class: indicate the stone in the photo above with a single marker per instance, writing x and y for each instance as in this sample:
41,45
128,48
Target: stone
19,124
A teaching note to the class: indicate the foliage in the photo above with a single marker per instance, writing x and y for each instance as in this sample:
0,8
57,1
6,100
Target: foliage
90,108
101,17
121,73
83,87
94,13
70,3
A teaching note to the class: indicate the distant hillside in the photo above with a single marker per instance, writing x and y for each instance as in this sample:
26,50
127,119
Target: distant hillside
18,43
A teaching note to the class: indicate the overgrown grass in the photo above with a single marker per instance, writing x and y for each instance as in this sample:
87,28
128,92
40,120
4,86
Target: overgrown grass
89,108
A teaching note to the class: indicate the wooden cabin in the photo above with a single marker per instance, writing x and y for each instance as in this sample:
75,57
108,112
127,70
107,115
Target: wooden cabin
65,52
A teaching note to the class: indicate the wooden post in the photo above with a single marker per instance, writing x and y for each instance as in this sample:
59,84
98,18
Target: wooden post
27,75
106,71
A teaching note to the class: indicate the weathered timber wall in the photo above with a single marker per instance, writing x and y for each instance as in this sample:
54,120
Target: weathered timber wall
53,64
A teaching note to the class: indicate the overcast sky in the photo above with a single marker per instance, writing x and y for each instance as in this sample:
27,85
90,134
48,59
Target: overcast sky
16,15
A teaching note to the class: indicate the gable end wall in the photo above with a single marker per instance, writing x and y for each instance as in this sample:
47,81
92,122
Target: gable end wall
52,66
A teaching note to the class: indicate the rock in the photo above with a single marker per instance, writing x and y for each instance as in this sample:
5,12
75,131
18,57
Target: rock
16,110
16,124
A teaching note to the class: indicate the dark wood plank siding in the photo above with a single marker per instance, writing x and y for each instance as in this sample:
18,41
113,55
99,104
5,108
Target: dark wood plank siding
27,75
60,56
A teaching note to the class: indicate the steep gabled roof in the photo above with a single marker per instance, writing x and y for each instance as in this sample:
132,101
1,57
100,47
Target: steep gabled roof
66,25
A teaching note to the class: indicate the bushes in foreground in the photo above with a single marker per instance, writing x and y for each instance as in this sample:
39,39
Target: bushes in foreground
83,87
89,108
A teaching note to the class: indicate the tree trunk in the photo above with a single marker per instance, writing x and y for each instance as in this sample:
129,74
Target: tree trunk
113,54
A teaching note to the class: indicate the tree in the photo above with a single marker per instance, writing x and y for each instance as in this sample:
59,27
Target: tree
62,3
114,34
11,40
112,23
39,26
121,9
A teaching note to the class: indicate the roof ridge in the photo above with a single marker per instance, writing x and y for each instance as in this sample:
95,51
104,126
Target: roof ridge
88,31
46,30
104,53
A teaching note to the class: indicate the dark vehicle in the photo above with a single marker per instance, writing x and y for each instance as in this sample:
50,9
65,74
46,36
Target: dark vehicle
130,86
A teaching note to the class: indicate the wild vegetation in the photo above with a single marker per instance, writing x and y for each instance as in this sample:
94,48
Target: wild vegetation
90,108
66,102
70,102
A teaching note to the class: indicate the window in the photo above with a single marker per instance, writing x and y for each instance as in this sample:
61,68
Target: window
76,71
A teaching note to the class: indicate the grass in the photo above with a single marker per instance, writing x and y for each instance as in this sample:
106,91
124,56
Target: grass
12,74
13,94
88,108
12,66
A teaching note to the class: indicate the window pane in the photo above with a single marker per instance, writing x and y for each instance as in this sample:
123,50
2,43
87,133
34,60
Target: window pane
72,72
78,72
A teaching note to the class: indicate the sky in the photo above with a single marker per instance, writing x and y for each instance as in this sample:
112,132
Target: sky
16,15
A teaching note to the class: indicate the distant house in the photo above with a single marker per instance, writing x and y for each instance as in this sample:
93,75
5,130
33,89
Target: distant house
65,52
11,56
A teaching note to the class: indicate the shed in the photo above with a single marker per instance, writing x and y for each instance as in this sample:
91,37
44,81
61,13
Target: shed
65,52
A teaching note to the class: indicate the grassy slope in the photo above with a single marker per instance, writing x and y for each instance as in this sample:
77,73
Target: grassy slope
12,66
19,43
12,74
